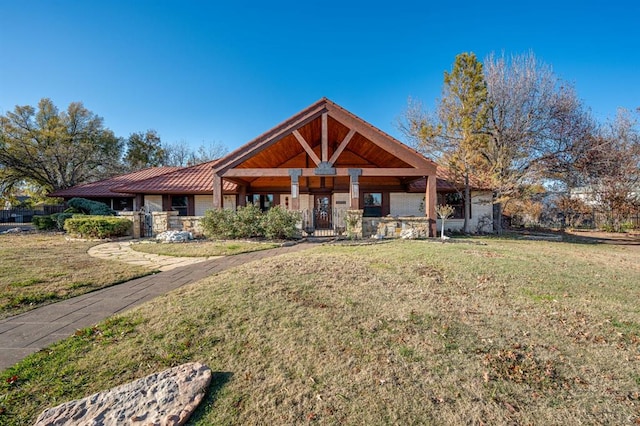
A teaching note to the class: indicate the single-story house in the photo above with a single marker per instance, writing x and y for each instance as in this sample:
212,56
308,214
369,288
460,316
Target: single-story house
323,161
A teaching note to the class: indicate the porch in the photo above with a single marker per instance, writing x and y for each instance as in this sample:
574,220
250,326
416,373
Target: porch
325,161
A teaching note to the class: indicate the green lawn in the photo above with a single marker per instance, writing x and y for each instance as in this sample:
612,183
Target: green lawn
40,268
408,332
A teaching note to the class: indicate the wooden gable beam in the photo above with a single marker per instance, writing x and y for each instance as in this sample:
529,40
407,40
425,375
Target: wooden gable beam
394,148
308,172
341,147
306,147
272,136
325,137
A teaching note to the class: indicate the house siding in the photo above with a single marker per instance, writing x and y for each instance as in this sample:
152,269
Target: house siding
202,203
481,215
228,202
406,204
153,203
340,205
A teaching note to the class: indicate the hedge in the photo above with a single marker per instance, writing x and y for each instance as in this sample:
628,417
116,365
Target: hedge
249,221
98,226
53,222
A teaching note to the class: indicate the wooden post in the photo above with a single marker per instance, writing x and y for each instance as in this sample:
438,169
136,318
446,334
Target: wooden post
242,196
325,138
217,192
430,201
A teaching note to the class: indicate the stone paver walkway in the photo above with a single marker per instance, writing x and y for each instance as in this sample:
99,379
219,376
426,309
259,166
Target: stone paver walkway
122,252
31,331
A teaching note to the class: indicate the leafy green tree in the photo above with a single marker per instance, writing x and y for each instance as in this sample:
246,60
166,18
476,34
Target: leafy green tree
144,150
56,150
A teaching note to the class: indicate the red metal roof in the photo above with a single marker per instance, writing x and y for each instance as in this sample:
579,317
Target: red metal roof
196,179
103,188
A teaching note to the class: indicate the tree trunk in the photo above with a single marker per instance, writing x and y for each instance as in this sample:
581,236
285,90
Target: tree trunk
467,204
497,218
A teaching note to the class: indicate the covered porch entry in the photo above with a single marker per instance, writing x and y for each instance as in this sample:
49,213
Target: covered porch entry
325,161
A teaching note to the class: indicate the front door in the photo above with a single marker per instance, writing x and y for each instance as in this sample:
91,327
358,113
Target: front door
322,211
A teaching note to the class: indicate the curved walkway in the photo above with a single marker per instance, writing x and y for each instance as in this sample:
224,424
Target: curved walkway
31,331
122,251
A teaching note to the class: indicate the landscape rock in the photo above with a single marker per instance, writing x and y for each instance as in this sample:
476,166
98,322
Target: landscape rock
11,231
165,398
174,236
409,234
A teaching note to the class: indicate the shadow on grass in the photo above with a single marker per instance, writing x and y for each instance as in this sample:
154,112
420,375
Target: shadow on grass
566,237
218,380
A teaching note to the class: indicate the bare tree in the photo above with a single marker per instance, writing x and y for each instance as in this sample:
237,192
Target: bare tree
526,102
177,154
612,170
180,154
211,151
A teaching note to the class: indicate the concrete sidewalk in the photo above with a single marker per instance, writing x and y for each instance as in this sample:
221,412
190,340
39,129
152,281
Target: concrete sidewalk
31,331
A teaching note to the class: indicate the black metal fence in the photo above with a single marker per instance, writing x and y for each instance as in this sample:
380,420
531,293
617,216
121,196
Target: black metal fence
26,215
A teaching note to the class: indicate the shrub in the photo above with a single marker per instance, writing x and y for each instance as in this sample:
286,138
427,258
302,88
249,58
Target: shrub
278,223
219,223
248,222
82,205
60,218
54,222
98,226
43,223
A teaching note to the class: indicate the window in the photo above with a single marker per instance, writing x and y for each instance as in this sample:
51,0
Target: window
372,204
264,201
179,204
455,200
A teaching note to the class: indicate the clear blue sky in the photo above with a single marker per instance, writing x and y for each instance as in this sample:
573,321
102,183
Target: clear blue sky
226,71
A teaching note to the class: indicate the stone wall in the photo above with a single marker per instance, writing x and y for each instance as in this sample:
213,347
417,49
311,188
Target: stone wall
165,221
135,218
392,227
354,223
191,224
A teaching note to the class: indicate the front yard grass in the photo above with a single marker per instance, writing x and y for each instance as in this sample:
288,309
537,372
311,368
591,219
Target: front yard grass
409,332
202,248
40,268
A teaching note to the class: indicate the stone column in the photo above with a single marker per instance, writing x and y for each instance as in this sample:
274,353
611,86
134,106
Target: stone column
354,188
295,188
353,222
134,217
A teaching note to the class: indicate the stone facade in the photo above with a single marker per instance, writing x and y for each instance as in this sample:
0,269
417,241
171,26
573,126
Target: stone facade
393,227
165,221
354,223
